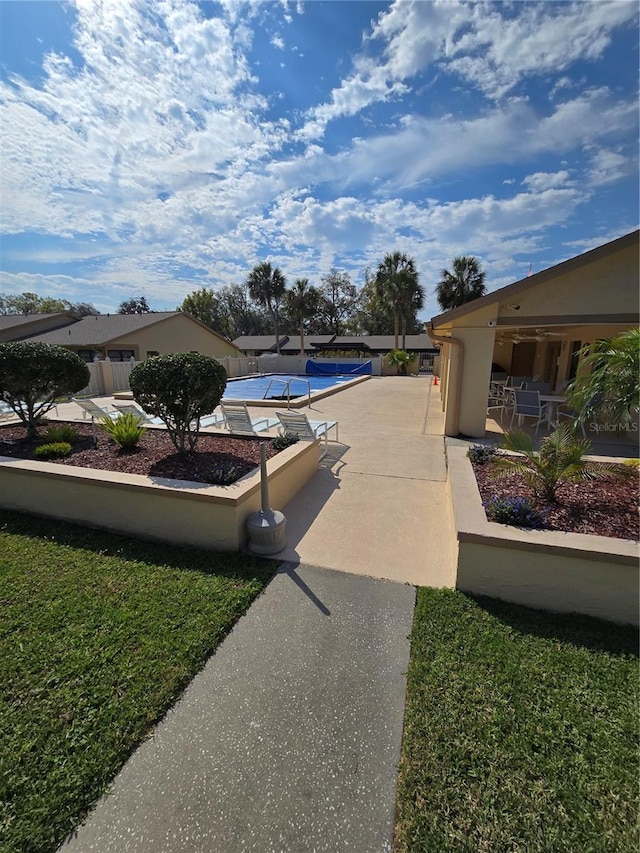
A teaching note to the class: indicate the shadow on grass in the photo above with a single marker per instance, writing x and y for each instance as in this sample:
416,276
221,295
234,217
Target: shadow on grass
231,565
573,628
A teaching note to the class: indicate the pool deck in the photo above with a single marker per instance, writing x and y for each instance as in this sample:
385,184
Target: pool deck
378,504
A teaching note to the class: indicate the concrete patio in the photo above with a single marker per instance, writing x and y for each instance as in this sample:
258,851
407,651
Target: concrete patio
378,504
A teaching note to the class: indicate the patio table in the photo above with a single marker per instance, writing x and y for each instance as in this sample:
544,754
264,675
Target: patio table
552,401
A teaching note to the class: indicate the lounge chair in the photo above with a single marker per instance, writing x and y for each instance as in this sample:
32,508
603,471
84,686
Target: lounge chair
299,423
6,413
132,409
95,411
239,422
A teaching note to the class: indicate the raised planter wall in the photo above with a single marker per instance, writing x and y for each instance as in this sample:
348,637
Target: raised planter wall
180,512
550,570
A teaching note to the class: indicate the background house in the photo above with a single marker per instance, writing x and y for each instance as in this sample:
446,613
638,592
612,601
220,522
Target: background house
121,337
534,327
362,345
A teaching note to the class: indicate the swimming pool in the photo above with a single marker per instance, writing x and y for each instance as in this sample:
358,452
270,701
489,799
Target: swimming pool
300,388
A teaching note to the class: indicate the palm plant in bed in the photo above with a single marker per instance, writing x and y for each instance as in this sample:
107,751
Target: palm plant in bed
559,460
607,388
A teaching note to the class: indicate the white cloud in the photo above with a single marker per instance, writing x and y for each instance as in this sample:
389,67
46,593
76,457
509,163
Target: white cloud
541,181
484,44
607,167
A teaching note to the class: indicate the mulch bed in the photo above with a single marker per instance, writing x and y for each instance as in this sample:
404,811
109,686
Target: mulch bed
604,507
154,456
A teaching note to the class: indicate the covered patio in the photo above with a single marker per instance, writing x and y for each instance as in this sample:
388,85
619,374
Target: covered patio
532,331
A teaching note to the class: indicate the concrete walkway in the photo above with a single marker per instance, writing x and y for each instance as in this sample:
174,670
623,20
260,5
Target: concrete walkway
378,505
289,739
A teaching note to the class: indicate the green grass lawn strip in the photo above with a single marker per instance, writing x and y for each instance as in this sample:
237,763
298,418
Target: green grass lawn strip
99,635
521,731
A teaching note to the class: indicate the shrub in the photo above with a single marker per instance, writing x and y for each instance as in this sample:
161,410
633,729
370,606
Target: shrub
559,460
517,512
285,440
224,475
55,450
61,432
180,389
33,374
481,453
127,430
401,360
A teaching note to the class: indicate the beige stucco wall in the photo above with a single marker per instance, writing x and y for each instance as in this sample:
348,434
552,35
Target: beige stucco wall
564,572
605,286
175,334
476,374
199,515
562,584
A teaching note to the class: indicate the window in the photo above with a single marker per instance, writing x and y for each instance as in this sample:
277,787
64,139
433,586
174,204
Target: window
120,354
87,355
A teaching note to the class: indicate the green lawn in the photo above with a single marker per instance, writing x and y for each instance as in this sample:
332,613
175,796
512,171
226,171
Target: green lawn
99,634
521,731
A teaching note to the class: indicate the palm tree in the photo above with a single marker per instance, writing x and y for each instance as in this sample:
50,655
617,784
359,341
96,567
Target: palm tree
464,284
302,303
397,285
607,385
267,286
559,460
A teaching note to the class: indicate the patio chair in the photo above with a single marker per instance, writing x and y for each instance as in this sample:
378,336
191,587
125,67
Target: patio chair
497,399
542,387
527,405
239,422
298,423
573,417
95,411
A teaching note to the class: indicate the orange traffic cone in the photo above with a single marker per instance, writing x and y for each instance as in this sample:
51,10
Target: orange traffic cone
435,380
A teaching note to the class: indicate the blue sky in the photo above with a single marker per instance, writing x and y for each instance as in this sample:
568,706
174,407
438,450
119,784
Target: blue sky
153,148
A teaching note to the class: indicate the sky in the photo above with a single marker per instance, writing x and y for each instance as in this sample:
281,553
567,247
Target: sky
153,148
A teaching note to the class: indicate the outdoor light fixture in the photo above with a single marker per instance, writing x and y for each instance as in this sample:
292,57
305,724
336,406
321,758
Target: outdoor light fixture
514,307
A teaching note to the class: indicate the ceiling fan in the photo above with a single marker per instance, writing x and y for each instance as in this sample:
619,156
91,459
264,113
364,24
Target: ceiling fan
540,336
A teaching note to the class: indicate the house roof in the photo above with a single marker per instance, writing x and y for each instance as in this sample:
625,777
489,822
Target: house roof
15,321
291,343
98,330
384,343
263,342
309,342
517,288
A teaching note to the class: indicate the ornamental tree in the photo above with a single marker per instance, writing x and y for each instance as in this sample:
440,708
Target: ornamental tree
33,374
179,388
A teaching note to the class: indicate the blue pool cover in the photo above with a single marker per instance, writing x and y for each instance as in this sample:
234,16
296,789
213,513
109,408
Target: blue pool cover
330,369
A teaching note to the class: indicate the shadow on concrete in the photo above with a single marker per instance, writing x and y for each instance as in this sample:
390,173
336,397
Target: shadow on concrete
302,509
289,569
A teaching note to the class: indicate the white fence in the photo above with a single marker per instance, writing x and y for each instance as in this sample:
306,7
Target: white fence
107,377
